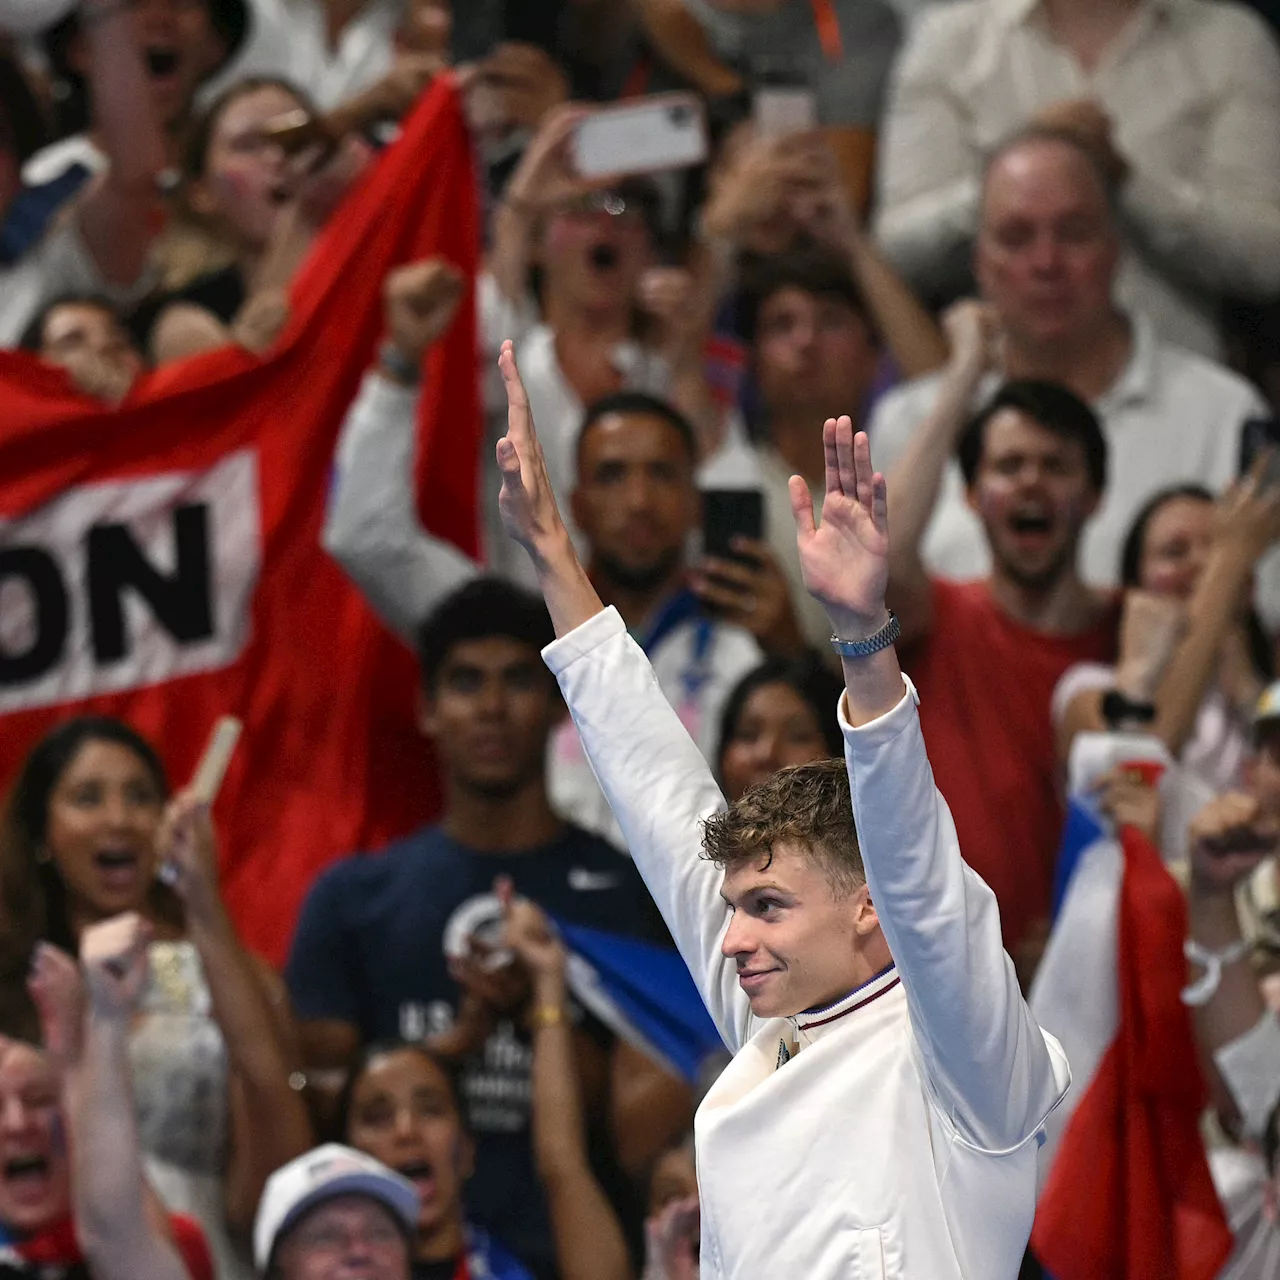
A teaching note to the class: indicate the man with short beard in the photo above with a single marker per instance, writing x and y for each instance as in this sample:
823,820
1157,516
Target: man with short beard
987,653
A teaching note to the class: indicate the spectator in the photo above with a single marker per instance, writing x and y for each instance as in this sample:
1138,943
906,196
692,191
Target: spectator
99,243
636,506
1180,101
74,1204
179,46
782,713
1046,255
587,334
400,1105
86,337
987,654
839,50
335,1212
822,312
1193,657
246,216
402,945
84,835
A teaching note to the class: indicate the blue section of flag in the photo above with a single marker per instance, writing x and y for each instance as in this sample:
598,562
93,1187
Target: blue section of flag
644,993
1081,829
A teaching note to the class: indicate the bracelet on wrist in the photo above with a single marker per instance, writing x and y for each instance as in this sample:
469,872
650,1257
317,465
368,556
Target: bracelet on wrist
547,1015
1205,987
398,365
884,638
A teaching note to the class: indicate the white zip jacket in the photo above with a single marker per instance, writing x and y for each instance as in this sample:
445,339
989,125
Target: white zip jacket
900,1140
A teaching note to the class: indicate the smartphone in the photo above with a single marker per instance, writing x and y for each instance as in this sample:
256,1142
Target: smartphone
646,135
781,110
293,131
729,514
1256,435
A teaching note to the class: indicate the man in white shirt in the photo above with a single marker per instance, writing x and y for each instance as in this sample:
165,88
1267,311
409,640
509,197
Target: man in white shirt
1046,256
636,506
881,1112
1183,95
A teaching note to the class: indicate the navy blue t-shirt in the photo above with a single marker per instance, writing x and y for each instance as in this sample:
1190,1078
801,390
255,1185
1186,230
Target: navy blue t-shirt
371,948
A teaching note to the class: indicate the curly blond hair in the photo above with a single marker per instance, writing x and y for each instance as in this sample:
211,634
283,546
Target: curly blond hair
807,805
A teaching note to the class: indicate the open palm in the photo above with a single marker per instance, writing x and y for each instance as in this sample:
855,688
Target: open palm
845,559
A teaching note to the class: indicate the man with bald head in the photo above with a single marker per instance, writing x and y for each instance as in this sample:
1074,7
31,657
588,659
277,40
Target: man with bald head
1045,260
1008,522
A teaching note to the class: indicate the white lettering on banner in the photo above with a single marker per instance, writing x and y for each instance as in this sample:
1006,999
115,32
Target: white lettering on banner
129,583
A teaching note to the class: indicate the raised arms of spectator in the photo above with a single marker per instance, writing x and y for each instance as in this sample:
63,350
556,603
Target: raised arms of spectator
269,1121
795,183
1247,523
989,1063
371,527
929,169
119,212
115,1223
651,771
589,1240
915,482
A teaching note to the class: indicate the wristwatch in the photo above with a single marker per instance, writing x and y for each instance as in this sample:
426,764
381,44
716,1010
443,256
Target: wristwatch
1117,710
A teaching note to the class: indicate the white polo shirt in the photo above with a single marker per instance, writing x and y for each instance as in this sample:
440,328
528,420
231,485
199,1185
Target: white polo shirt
1171,417
900,1138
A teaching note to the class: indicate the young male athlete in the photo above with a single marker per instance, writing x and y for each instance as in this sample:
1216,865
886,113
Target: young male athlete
881,1113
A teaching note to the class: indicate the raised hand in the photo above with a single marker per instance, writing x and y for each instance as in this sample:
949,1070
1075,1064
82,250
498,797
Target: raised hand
113,955
419,302
58,992
527,501
1228,838
845,560
188,856
529,934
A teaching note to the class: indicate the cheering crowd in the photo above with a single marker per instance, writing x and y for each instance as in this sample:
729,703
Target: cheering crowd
1031,249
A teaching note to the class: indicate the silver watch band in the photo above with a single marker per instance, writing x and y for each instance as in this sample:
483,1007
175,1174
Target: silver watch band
886,636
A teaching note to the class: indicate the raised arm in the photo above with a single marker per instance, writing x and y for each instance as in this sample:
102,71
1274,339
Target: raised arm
119,213
121,1236
989,1064
588,1236
917,478
371,525
270,1122
653,775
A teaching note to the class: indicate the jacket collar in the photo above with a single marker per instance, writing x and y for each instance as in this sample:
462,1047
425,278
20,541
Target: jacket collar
813,1024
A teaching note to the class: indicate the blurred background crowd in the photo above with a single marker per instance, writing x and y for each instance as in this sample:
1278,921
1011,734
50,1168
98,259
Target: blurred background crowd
1031,246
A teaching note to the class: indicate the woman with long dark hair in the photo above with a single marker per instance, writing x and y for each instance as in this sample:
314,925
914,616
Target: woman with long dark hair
88,826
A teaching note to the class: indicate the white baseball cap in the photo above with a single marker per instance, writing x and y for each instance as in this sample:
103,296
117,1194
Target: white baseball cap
322,1174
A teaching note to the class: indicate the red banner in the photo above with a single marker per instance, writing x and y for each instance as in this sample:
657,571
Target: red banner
162,562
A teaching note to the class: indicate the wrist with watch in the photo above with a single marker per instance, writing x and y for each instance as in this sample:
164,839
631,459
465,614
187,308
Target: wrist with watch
1121,712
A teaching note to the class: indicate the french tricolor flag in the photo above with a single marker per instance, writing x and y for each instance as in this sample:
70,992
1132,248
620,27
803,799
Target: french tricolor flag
1127,1193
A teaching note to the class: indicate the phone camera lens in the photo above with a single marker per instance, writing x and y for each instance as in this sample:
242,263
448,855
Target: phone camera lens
680,115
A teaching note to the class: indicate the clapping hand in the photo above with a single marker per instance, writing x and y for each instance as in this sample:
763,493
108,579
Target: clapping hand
845,559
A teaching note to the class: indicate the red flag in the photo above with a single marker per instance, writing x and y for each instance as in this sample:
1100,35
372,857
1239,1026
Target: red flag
162,562
1129,1195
